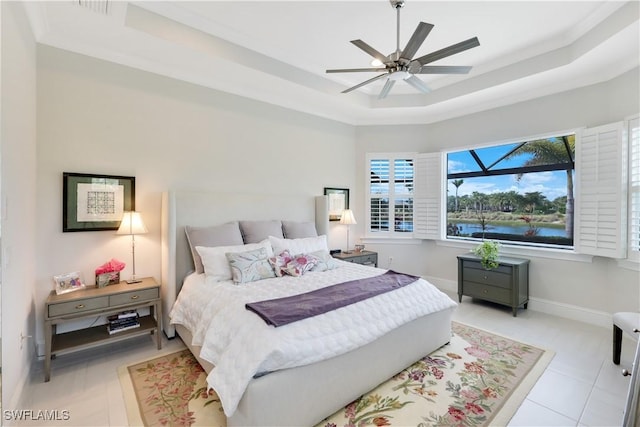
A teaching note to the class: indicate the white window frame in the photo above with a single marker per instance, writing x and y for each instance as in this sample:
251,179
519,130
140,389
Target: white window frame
387,235
516,247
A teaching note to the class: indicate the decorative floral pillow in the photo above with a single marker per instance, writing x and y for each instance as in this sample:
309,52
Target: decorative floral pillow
279,262
325,261
300,264
250,266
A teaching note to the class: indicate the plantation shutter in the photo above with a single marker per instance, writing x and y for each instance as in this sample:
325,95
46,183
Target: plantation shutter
390,190
428,198
378,190
634,189
601,198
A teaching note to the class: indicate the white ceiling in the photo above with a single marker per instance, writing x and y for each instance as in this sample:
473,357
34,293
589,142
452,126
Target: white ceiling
277,52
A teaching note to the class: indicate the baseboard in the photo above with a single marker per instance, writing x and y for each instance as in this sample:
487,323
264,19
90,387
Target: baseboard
567,311
40,349
573,312
17,401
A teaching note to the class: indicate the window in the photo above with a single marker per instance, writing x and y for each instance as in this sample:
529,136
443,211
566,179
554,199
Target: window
634,189
390,193
518,192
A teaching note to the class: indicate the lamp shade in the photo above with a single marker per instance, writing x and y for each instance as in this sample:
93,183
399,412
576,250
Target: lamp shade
347,217
132,224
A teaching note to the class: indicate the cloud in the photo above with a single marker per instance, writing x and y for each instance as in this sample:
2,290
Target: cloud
454,166
471,185
551,184
537,178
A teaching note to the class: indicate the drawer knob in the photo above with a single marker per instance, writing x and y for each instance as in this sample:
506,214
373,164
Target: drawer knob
485,291
134,297
79,306
485,277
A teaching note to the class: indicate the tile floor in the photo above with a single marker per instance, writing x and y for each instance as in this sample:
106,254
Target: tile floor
581,386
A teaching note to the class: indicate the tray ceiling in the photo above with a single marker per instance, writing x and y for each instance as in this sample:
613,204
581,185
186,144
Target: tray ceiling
277,52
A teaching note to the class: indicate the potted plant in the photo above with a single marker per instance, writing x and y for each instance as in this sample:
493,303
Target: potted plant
488,251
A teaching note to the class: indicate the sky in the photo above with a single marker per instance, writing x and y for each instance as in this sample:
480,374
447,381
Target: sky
552,184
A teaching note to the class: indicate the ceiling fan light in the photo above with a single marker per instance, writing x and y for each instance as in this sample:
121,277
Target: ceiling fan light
376,62
399,75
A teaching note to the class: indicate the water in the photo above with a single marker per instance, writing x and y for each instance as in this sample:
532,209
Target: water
467,228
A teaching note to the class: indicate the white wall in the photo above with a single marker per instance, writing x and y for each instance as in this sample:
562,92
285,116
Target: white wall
98,117
18,172
599,286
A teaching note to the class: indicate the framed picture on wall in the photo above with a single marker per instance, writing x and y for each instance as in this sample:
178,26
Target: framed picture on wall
338,201
95,202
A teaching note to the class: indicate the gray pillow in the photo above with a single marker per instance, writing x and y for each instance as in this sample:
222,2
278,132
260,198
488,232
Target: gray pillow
299,230
257,231
222,235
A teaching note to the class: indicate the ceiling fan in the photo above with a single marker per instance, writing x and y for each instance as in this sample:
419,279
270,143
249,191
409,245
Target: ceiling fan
400,64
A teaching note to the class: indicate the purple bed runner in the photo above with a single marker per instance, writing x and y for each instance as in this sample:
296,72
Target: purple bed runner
282,311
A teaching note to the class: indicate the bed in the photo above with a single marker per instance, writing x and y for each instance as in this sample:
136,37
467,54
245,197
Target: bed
297,395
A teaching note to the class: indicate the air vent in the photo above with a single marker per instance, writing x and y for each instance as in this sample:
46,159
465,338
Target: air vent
98,6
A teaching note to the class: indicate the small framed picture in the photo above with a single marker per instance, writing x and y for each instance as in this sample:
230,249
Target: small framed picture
68,282
338,201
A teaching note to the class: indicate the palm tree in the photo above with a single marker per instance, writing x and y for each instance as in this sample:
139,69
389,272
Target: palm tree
457,183
552,151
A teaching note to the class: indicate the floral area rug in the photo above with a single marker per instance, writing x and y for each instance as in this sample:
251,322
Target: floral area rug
478,379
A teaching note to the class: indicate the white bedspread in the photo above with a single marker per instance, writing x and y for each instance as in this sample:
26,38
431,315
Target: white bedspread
240,344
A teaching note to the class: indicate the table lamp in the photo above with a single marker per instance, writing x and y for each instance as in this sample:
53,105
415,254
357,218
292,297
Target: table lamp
132,224
348,219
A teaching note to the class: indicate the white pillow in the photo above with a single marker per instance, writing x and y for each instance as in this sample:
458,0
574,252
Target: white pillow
305,245
215,261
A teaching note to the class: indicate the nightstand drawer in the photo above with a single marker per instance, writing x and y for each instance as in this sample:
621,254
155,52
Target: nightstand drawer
365,259
487,292
78,306
493,277
505,269
133,297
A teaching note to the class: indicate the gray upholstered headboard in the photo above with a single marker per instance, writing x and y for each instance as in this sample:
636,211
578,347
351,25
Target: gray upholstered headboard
200,209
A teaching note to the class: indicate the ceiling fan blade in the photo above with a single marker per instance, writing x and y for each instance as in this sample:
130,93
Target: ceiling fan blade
419,35
418,84
366,82
448,51
387,87
444,69
357,70
371,51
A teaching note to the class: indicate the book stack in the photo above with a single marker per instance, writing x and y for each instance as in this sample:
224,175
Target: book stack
123,321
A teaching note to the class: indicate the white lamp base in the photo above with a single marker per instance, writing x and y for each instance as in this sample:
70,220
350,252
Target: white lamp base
132,281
